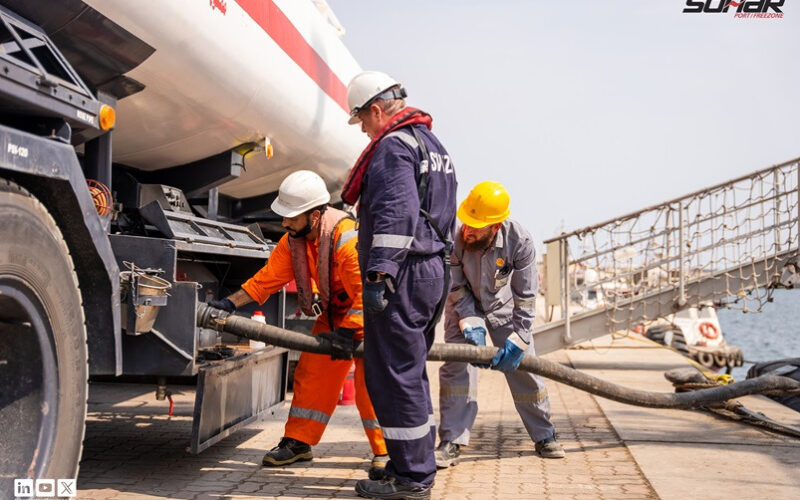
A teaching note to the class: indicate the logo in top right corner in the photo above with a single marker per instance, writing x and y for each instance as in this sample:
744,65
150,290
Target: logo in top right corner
744,9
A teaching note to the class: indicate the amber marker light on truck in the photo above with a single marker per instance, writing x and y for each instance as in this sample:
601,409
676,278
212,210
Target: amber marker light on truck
107,117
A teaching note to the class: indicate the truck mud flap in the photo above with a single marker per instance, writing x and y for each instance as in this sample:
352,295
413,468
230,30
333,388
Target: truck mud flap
235,392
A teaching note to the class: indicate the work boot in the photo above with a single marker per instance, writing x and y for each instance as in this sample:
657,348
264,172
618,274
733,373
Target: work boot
549,448
447,454
389,488
378,467
287,452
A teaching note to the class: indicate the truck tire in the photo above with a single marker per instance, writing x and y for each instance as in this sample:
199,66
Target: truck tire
43,351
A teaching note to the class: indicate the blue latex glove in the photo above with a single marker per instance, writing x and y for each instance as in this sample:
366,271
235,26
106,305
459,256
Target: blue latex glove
224,304
474,330
510,355
475,335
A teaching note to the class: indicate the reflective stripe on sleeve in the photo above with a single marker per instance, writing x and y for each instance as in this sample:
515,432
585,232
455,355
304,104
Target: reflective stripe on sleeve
309,414
459,292
392,241
357,312
522,303
345,237
409,433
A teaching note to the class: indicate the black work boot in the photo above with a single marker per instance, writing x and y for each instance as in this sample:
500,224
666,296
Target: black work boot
389,488
287,452
549,448
378,466
446,454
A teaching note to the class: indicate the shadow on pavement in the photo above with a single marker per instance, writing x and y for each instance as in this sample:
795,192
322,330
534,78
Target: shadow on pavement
146,455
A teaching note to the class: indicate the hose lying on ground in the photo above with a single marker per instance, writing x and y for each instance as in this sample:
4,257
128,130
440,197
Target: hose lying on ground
216,319
690,379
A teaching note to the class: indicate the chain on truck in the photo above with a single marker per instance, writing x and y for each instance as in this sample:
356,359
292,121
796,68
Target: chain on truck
102,266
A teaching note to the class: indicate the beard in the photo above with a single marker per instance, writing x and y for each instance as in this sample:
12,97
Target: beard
302,233
478,244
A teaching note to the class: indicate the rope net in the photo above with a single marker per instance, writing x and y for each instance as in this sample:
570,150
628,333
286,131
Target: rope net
725,245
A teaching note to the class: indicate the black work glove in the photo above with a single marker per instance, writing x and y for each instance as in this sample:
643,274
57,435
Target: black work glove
224,304
342,343
372,296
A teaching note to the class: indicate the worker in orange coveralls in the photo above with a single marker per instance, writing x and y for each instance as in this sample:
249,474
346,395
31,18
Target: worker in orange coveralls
319,253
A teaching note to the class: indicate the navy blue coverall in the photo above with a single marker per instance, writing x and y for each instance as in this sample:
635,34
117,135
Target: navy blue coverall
394,238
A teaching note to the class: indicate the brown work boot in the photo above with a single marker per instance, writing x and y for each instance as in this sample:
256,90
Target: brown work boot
287,452
549,448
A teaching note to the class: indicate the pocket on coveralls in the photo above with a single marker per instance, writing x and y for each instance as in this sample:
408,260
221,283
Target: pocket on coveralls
425,295
501,279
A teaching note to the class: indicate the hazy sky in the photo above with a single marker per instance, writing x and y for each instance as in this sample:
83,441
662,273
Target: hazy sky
586,110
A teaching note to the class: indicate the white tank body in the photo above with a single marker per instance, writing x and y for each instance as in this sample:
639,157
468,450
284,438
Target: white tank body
218,78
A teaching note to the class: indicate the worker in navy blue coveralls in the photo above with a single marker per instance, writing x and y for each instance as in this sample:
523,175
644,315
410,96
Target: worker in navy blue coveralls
402,261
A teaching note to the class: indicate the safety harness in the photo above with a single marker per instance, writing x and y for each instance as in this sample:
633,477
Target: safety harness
352,186
407,116
422,191
310,303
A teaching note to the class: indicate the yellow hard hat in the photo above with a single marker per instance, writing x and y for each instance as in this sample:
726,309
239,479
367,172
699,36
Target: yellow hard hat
486,204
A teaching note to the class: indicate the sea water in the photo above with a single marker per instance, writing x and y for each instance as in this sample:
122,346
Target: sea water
765,336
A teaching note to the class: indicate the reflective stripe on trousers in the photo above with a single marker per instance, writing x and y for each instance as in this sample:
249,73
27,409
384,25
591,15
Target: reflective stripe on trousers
318,381
310,414
458,391
409,433
395,349
458,410
370,423
526,397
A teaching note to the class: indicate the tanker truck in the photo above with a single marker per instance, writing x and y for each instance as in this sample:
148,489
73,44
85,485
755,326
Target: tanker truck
142,144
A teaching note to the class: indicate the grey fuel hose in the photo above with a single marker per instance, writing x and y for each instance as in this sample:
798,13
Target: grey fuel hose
216,319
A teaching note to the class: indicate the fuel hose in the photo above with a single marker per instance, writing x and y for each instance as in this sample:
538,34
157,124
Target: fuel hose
219,320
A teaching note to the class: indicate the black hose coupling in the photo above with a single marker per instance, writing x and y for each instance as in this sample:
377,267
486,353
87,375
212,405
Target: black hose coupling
211,317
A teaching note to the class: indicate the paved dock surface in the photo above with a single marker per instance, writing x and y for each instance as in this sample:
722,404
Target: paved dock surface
133,450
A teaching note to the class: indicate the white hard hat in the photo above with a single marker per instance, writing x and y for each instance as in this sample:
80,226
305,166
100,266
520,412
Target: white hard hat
367,86
299,192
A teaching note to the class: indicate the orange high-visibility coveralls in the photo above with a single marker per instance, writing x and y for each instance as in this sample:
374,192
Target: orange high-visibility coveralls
318,379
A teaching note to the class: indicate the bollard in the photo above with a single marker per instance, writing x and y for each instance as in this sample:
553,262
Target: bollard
348,396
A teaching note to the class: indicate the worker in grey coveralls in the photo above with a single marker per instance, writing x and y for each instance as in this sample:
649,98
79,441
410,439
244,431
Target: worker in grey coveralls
494,287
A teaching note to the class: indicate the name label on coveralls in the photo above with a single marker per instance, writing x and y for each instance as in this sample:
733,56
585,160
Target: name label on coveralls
440,163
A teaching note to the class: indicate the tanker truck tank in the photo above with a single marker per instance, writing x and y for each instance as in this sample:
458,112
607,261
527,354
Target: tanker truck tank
197,79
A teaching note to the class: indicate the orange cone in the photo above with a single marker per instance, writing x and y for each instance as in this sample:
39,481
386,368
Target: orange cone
348,396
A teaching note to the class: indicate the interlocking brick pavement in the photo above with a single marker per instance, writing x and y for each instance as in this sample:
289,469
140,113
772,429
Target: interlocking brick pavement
135,451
